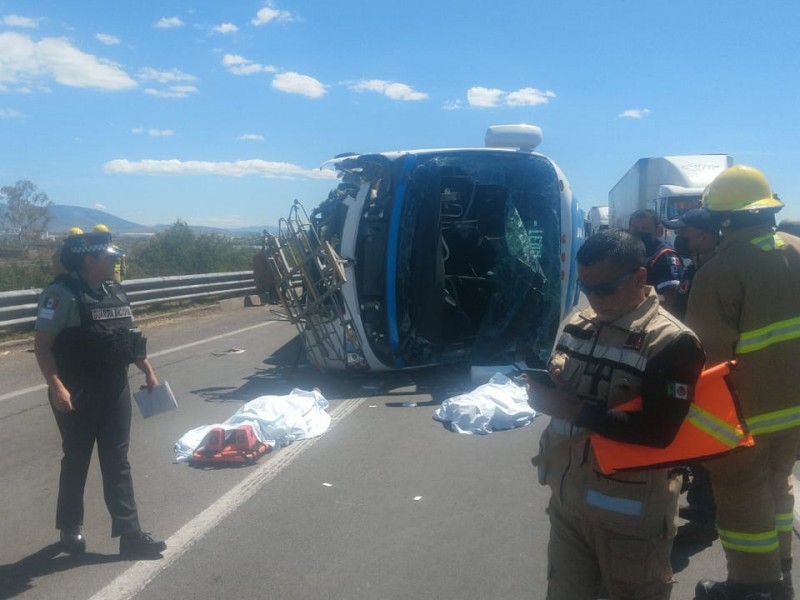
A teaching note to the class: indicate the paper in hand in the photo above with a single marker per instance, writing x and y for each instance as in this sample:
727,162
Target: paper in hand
155,400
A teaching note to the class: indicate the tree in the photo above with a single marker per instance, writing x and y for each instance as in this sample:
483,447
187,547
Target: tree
180,251
27,212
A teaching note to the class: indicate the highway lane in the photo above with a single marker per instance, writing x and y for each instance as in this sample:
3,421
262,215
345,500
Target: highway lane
210,384
387,504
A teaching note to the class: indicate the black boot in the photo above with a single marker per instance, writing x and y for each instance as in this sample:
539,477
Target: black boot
72,540
139,544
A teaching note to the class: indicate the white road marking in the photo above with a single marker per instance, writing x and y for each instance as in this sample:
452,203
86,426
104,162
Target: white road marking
43,386
134,579
211,339
22,392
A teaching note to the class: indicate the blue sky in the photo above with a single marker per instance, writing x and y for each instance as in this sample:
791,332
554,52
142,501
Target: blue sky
221,112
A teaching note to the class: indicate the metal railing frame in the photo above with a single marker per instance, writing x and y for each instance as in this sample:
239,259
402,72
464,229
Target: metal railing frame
18,308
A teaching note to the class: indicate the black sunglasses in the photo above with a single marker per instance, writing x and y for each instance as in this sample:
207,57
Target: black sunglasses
605,289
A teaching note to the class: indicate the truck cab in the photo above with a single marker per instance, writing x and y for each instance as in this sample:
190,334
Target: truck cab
669,185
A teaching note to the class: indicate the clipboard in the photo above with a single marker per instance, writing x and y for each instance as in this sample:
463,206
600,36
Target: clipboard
157,400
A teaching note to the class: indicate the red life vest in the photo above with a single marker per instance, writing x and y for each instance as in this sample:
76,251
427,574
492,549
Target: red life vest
711,427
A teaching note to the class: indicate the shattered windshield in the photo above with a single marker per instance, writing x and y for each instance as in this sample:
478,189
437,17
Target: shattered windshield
472,272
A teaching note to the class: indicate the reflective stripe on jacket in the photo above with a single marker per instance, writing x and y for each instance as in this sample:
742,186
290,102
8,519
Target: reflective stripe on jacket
711,428
604,364
744,305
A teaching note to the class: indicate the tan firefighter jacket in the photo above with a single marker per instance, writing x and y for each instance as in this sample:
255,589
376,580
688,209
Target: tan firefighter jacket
745,304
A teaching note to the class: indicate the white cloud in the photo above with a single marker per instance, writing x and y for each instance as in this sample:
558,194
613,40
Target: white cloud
153,132
239,65
225,28
170,79
268,14
20,21
251,136
529,97
150,74
172,91
99,206
108,40
390,89
160,132
24,61
237,168
452,105
168,23
10,113
483,97
634,113
295,83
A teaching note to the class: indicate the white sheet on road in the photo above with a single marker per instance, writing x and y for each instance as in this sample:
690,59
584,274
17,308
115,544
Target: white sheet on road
278,419
499,404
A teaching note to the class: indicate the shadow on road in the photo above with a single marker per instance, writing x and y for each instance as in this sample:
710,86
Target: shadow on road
287,368
18,577
682,554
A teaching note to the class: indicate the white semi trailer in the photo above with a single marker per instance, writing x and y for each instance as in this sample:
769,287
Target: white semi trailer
670,185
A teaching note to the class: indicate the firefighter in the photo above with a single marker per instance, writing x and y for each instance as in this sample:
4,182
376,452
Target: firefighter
84,340
613,532
744,306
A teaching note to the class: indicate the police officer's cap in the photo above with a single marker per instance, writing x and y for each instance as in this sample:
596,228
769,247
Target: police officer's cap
699,218
92,242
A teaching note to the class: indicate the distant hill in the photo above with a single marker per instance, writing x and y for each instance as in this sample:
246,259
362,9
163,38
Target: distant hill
64,217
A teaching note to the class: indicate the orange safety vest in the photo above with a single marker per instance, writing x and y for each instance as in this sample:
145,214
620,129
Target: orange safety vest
711,427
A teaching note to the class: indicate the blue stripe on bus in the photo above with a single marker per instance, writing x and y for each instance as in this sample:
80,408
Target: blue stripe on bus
391,258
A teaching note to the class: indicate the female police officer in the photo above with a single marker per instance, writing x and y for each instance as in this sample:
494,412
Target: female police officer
84,341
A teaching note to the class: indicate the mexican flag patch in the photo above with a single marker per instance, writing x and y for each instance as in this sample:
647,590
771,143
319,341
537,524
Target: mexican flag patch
48,308
678,390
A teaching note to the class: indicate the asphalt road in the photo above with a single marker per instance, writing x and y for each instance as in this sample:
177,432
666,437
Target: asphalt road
387,504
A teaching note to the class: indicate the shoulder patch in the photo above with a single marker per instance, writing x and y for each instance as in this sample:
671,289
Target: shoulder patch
48,308
677,390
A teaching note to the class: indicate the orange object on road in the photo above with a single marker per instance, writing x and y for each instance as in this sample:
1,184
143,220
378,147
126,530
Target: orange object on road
238,447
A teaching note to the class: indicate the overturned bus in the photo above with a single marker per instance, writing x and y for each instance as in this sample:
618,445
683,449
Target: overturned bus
429,257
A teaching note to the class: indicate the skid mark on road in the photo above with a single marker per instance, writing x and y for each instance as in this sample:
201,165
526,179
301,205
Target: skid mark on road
133,580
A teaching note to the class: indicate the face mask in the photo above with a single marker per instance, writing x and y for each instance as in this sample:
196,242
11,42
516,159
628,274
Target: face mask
681,245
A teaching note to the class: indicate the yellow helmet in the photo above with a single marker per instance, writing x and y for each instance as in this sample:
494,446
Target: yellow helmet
75,231
100,227
740,188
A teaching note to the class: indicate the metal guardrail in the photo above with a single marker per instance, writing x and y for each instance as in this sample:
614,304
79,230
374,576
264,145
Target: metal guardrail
18,308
